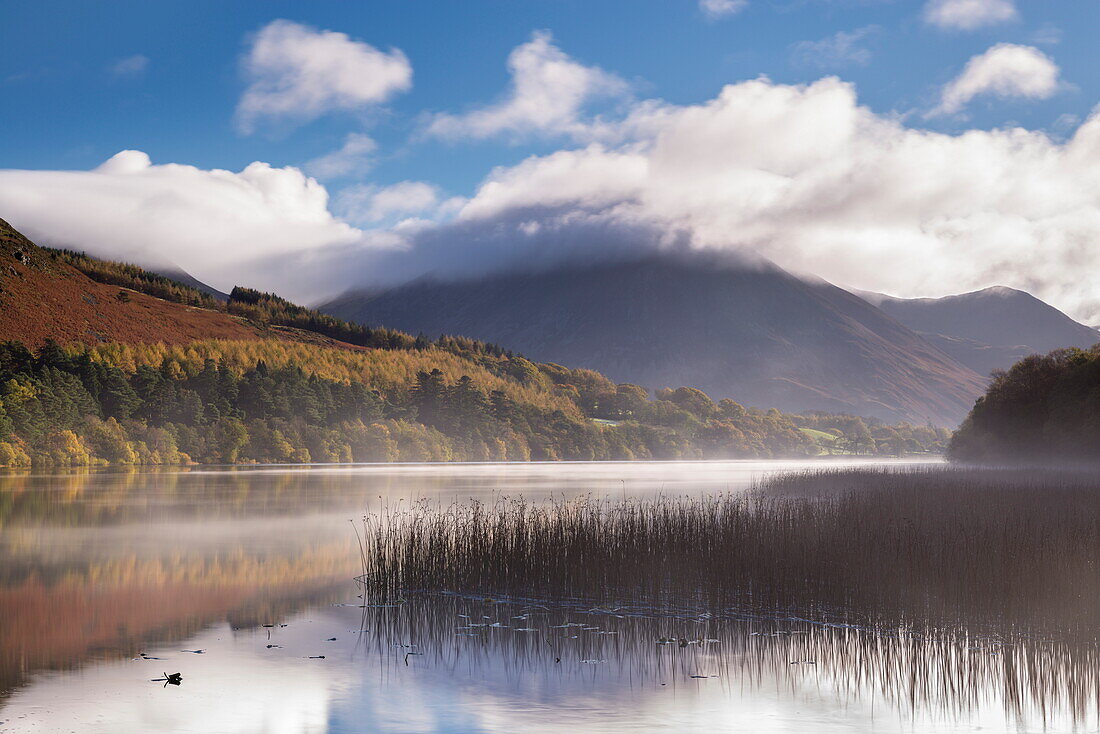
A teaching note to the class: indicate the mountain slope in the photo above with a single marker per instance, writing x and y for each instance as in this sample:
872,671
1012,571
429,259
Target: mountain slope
757,335
42,297
182,276
988,329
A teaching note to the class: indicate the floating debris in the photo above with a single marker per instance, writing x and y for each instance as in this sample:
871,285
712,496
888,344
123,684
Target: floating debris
803,662
271,646
331,639
315,657
593,662
196,652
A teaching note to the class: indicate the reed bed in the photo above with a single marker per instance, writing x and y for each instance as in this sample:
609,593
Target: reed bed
1012,549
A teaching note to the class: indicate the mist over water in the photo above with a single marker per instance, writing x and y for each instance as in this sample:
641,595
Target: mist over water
107,578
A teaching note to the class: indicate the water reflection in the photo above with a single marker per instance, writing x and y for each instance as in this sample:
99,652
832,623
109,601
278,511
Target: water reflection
449,664
97,566
947,677
114,560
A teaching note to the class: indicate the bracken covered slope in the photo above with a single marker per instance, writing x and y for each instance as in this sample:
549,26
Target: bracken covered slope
43,298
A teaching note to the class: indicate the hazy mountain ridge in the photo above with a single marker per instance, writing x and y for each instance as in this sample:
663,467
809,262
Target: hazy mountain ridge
182,276
989,329
755,334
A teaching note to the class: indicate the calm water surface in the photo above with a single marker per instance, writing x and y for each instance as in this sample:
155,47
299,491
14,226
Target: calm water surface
108,579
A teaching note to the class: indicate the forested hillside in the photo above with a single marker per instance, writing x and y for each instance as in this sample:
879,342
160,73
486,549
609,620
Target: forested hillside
255,401
1046,408
112,364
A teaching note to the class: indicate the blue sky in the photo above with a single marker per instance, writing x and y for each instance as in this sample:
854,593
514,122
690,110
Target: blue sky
73,112
946,158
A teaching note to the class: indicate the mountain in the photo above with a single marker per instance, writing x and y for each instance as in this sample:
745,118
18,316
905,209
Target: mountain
170,374
182,276
988,329
757,335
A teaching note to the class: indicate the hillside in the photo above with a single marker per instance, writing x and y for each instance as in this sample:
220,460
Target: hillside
1041,411
988,329
42,297
757,335
126,366
185,278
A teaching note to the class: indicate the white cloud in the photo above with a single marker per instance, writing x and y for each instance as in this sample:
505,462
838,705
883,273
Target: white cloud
548,93
369,204
129,67
1048,34
967,15
297,73
802,175
715,9
1006,70
353,158
841,48
806,177
223,227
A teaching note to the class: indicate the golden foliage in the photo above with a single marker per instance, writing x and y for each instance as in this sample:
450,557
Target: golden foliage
390,371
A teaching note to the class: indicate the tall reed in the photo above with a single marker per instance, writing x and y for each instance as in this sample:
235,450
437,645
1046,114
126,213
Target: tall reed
934,547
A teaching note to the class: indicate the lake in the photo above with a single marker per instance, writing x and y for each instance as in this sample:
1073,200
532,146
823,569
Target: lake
241,579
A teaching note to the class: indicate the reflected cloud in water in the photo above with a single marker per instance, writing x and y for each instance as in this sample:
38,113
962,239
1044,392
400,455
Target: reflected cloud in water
504,679
96,567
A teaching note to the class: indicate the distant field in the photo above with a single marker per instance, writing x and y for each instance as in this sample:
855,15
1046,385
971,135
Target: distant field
825,441
819,435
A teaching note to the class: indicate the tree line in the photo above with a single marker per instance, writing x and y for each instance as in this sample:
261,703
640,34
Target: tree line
265,309
225,401
1045,408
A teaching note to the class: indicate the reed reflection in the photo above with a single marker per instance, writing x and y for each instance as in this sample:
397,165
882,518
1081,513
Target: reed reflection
940,590
944,676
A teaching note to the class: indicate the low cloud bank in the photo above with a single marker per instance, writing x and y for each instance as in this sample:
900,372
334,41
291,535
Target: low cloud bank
224,227
802,175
